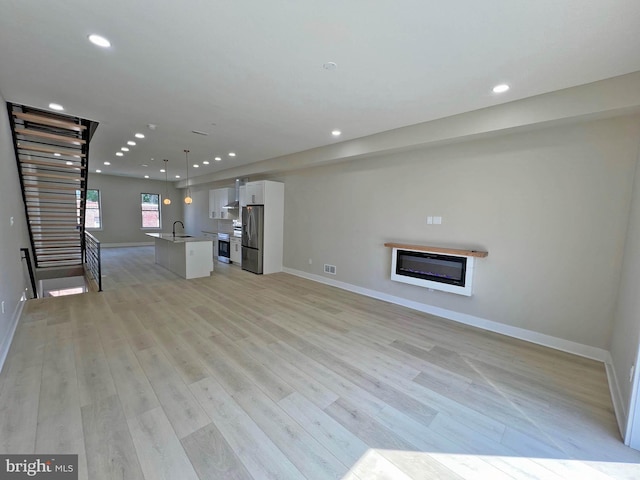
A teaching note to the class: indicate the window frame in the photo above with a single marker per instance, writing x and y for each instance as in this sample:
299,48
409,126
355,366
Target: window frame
99,210
159,227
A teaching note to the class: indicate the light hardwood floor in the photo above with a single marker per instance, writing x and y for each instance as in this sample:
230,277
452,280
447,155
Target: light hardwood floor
241,376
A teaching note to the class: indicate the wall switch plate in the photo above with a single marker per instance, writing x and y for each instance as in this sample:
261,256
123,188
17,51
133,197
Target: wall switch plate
11,221
429,220
631,372
437,220
3,306
310,261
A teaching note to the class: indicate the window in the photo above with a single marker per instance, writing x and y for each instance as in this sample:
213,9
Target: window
150,203
93,217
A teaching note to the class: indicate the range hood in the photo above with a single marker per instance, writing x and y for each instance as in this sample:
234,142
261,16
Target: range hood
236,202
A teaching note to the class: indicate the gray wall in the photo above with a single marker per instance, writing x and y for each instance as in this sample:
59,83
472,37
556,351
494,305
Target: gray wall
13,277
121,218
626,326
551,206
196,215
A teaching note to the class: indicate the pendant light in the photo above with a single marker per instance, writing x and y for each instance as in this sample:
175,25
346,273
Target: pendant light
188,198
167,200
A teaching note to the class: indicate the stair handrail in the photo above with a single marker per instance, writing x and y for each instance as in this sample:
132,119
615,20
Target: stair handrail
27,257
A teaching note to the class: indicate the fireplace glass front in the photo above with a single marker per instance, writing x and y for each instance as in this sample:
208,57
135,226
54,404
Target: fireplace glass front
432,266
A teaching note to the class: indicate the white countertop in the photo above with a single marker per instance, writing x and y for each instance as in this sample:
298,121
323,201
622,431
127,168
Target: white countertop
178,238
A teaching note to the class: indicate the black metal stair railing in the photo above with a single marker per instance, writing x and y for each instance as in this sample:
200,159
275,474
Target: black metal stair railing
93,260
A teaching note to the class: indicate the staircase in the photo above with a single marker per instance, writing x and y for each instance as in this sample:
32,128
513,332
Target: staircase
52,152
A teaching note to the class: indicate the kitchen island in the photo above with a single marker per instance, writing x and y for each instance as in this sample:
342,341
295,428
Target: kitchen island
184,255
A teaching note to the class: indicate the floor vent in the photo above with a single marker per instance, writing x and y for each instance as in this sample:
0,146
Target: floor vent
329,269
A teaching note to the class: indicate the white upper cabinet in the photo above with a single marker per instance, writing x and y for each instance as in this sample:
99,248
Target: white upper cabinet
218,198
255,193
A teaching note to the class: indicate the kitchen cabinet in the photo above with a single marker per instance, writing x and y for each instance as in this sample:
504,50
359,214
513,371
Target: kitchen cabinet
188,257
214,240
218,198
255,193
236,250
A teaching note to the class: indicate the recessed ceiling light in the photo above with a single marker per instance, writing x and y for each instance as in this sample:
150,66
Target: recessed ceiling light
162,170
152,126
146,176
503,87
195,165
131,142
119,154
177,176
56,106
107,163
98,171
99,41
124,149
232,154
139,135
206,162
69,163
217,159
330,66
144,165
336,133
56,154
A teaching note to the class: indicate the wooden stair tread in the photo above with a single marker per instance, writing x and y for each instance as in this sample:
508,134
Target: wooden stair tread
40,186
47,215
36,148
52,164
52,122
38,174
50,136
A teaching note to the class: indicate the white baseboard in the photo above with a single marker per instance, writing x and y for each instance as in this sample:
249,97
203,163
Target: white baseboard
511,331
6,341
133,244
619,407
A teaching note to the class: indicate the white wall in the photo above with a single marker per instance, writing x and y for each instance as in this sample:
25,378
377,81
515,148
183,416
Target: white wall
626,325
13,277
196,215
121,217
550,206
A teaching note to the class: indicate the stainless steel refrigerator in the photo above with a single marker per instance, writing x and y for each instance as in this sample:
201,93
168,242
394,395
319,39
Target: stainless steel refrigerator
252,238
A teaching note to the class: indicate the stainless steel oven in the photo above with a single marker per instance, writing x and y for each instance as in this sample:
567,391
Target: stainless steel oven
224,248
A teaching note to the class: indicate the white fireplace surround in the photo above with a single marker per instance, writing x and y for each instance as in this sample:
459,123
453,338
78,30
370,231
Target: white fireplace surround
444,287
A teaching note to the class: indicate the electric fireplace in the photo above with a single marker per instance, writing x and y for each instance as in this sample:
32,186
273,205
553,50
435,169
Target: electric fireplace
449,273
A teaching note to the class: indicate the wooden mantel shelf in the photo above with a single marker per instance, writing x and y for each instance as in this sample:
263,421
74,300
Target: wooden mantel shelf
424,248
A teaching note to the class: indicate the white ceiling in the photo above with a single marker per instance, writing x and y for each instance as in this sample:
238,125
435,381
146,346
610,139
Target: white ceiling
250,73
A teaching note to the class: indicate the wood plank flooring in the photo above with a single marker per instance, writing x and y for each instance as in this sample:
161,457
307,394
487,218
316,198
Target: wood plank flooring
240,376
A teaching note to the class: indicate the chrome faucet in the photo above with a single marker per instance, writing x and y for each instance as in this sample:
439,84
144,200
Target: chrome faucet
174,226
